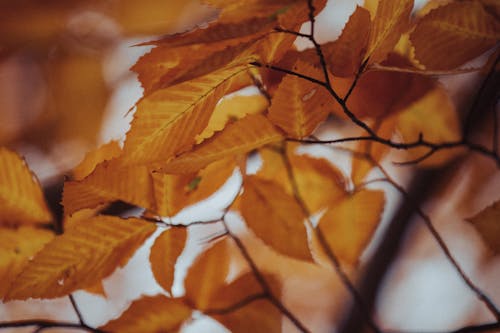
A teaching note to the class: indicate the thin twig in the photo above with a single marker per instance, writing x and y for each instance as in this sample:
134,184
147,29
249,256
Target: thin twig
77,310
48,324
238,305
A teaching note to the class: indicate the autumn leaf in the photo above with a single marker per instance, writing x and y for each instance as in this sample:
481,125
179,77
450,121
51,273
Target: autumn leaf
258,316
174,192
167,121
344,55
451,35
107,183
349,224
151,314
164,253
240,137
487,223
435,118
275,217
299,106
207,274
21,198
391,20
104,243
16,247
93,158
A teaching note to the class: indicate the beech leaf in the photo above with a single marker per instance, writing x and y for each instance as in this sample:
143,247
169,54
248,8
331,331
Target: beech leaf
487,223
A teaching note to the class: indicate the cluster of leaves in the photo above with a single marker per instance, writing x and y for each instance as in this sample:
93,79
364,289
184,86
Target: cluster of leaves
190,133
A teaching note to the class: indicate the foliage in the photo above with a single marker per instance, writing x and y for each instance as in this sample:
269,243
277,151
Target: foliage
189,134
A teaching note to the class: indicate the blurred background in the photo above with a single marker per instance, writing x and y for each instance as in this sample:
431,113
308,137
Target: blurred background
65,88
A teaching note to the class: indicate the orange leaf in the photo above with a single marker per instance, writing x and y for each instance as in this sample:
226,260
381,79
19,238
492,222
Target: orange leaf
390,21
207,274
349,225
275,217
167,121
435,118
107,183
299,106
175,192
79,258
236,291
487,224
344,55
104,153
16,247
151,314
21,198
451,35
258,316
244,135
164,253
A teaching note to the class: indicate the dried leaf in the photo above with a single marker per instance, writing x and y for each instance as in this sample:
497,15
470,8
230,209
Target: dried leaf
349,225
151,314
451,35
390,21
244,135
435,118
17,246
207,274
80,257
164,253
299,106
344,56
275,217
104,153
258,316
487,223
21,198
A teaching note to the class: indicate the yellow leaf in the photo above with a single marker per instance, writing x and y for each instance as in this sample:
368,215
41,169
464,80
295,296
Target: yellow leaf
104,153
275,217
107,183
175,192
151,314
451,35
207,274
21,198
236,291
231,109
344,55
487,223
390,21
299,106
349,225
244,135
258,316
167,121
16,247
79,258
164,253
435,118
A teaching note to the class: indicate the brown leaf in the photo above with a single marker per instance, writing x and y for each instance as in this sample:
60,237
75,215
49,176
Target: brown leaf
151,314
21,198
164,253
349,225
79,258
451,35
275,217
487,223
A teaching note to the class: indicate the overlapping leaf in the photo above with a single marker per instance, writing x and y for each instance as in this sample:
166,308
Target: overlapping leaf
391,20
151,314
344,56
451,35
16,247
21,198
244,135
299,106
164,253
92,159
275,217
349,225
82,256
487,223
